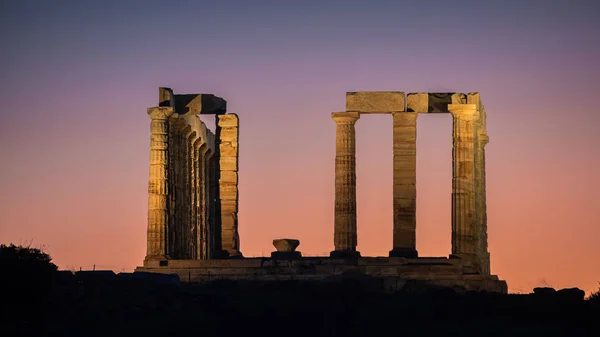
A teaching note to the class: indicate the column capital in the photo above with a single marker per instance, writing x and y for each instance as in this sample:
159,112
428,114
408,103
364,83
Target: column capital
464,111
345,117
161,112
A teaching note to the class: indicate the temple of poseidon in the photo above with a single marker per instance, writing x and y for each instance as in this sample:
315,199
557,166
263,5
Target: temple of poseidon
193,197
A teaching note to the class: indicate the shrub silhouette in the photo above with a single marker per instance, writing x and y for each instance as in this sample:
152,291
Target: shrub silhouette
26,268
19,259
595,296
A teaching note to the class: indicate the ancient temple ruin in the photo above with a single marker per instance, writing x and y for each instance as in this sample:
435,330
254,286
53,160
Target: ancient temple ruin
192,189
469,218
193,197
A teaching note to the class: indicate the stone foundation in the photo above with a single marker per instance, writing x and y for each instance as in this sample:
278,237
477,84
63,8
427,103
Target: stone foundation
394,272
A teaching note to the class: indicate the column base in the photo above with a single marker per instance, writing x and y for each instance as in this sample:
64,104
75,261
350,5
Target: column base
463,256
286,255
344,254
468,262
404,252
156,261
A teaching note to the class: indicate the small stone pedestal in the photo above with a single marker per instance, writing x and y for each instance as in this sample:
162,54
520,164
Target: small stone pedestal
286,249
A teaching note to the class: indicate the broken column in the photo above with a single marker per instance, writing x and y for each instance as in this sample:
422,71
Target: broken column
345,236
158,210
405,184
463,179
228,132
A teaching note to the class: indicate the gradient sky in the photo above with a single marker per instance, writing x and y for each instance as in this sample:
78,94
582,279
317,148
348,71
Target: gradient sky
77,77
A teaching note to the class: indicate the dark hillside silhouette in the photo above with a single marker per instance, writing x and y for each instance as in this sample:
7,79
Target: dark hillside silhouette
43,301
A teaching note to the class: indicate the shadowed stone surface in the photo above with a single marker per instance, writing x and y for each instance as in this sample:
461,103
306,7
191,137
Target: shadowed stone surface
191,104
433,102
393,272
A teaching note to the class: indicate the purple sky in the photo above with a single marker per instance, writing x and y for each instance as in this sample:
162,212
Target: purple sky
77,77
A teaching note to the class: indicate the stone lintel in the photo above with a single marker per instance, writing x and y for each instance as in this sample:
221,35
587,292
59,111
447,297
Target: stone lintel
378,112
195,104
375,101
433,102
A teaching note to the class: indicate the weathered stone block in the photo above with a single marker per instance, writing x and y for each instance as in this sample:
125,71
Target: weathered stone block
228,178
229,134
228,120
228,192
228,149
375,101
228,206
228,163
404,180
473,98
165,97
417,102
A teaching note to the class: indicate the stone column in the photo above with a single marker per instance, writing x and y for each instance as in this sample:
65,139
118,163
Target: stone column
191,200
345,236
187,193
228,182
158,184
173,160
203,185
214,206
405,184
482,205
196,199
463,180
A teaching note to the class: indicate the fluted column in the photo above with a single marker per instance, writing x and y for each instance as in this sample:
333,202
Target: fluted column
158,210
482,205
203,226
405,184
172,198
463,179
191,200
345,236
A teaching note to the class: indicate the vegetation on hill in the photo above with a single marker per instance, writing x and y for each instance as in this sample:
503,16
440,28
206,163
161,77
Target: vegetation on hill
43,301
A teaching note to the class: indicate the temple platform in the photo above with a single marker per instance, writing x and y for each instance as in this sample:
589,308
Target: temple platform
393,273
